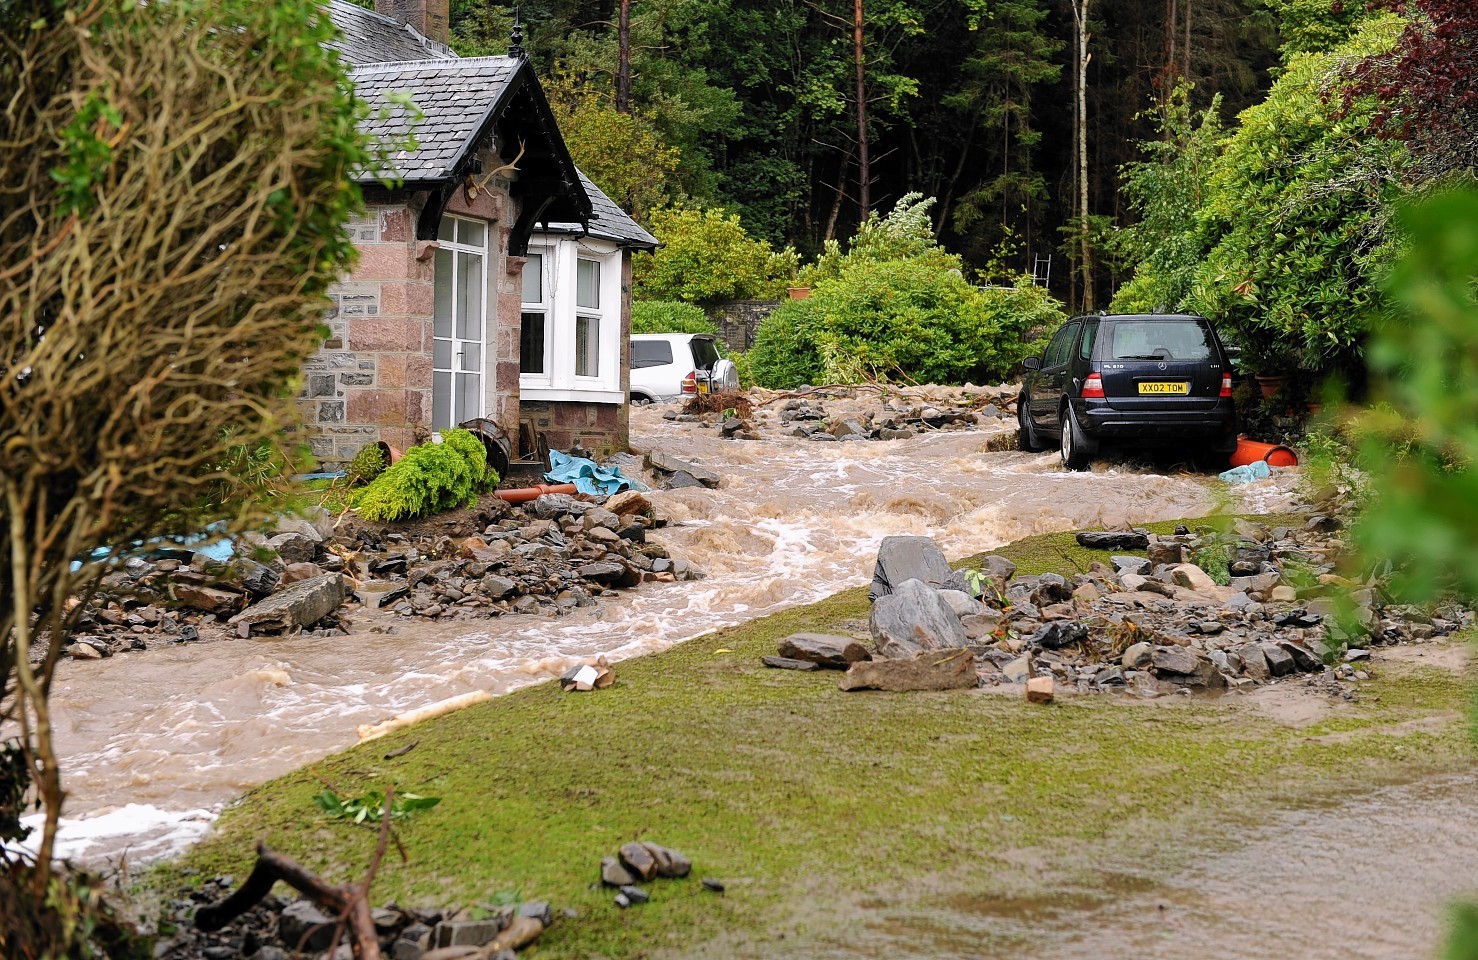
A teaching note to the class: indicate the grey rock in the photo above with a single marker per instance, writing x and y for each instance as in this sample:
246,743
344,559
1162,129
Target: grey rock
907,558
960,602
1280,661
496,587
1059,634
1254,661
600,517
1303,659
294,547
930,670
957,580
1018,670
667,463
614,874
1181,661
247,574
1162,552
670,864
1113,541
823,649
1137,656
998,567
634,894
300,605
1131,565
539,910
636,858
467,933
914,618
788,663
680,480
981,624
549,506
302,918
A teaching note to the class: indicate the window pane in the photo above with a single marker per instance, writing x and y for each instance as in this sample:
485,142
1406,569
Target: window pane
442,356
587,285
650,353
587,346
469,396
469,296
444,293
444,229
531,343
470,232
471,356
533,279
441,401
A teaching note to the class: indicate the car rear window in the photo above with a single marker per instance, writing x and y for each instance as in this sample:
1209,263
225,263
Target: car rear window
705,353
1159,340
650,353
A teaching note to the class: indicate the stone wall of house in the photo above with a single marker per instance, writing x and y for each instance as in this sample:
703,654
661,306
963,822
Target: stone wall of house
739,319
371,379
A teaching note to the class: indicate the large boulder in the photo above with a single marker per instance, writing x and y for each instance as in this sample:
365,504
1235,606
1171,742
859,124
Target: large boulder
907,558
914,618
667,463
300,605
823,649
930,670
1113,540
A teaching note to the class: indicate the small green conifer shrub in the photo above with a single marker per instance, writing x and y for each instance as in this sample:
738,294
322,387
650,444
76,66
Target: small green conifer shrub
430,478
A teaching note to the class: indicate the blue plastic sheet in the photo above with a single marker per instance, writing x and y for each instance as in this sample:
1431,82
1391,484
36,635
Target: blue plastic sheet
588,476
1257,470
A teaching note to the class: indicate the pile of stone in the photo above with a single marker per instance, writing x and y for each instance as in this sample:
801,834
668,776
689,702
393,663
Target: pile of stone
278,929
640,862
1147,625
313,574
890,423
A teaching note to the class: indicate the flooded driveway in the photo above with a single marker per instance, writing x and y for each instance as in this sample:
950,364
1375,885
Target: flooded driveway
156,741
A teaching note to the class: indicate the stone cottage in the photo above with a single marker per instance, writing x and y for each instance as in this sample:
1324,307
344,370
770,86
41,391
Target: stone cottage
493,280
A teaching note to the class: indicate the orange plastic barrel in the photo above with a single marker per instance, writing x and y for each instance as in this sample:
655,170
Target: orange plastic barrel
1251,451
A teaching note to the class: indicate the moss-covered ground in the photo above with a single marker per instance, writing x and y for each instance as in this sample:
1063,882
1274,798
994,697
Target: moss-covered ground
795,792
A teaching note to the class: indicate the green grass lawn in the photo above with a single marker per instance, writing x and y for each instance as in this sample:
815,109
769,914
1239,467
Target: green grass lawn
794,792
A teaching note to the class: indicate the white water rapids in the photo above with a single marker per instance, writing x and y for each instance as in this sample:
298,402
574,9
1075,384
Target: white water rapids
155,742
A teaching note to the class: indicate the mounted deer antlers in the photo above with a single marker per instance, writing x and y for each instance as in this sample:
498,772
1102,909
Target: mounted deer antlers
473,186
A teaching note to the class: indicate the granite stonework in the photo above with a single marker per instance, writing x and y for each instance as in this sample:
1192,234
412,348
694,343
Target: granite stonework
738,320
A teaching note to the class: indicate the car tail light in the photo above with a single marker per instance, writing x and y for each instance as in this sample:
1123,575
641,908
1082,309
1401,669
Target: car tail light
1093,387
1226,385
690,382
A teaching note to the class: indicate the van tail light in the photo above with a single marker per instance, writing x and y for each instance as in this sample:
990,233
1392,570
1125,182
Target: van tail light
690,382
1093,387
1226,385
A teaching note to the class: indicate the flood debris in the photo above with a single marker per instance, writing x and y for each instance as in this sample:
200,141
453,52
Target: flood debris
320,574
1039,690
821,650
641,862
928,670
585,677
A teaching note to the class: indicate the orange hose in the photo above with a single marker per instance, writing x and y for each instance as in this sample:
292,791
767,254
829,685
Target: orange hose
525,494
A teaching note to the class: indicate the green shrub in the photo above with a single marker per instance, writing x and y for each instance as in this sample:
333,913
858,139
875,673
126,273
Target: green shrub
706,257
430,478
367,464
669,316
900,319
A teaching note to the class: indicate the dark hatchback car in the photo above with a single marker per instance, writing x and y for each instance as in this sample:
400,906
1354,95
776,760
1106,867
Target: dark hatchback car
1145,379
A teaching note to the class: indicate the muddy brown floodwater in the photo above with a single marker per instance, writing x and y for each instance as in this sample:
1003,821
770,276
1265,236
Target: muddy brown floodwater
155,742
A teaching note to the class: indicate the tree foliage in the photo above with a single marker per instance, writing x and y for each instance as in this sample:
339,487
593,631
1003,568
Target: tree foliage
1294,217
706,257
897,306
1425,88
176,177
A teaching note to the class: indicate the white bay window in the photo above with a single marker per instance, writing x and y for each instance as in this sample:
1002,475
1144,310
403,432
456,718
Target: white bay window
570,337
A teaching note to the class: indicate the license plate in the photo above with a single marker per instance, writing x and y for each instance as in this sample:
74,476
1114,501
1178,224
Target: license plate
1161,387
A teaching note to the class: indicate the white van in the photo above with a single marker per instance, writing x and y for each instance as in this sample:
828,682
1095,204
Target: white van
668,366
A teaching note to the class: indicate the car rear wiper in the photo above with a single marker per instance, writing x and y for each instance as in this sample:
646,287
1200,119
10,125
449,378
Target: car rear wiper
1142,356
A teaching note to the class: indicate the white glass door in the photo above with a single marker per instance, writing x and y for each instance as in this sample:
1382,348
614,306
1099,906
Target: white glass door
461,285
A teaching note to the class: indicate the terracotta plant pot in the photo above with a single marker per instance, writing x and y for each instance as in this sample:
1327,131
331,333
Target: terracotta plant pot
1270,385
799,293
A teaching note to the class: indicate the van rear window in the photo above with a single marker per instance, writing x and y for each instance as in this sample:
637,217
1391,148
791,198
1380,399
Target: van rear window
1159,340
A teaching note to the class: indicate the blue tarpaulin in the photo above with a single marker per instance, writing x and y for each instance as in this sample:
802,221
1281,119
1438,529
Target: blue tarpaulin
1257,470
588,476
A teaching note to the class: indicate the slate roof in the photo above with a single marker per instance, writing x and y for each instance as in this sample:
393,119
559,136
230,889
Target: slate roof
607,221
454,98
369,37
